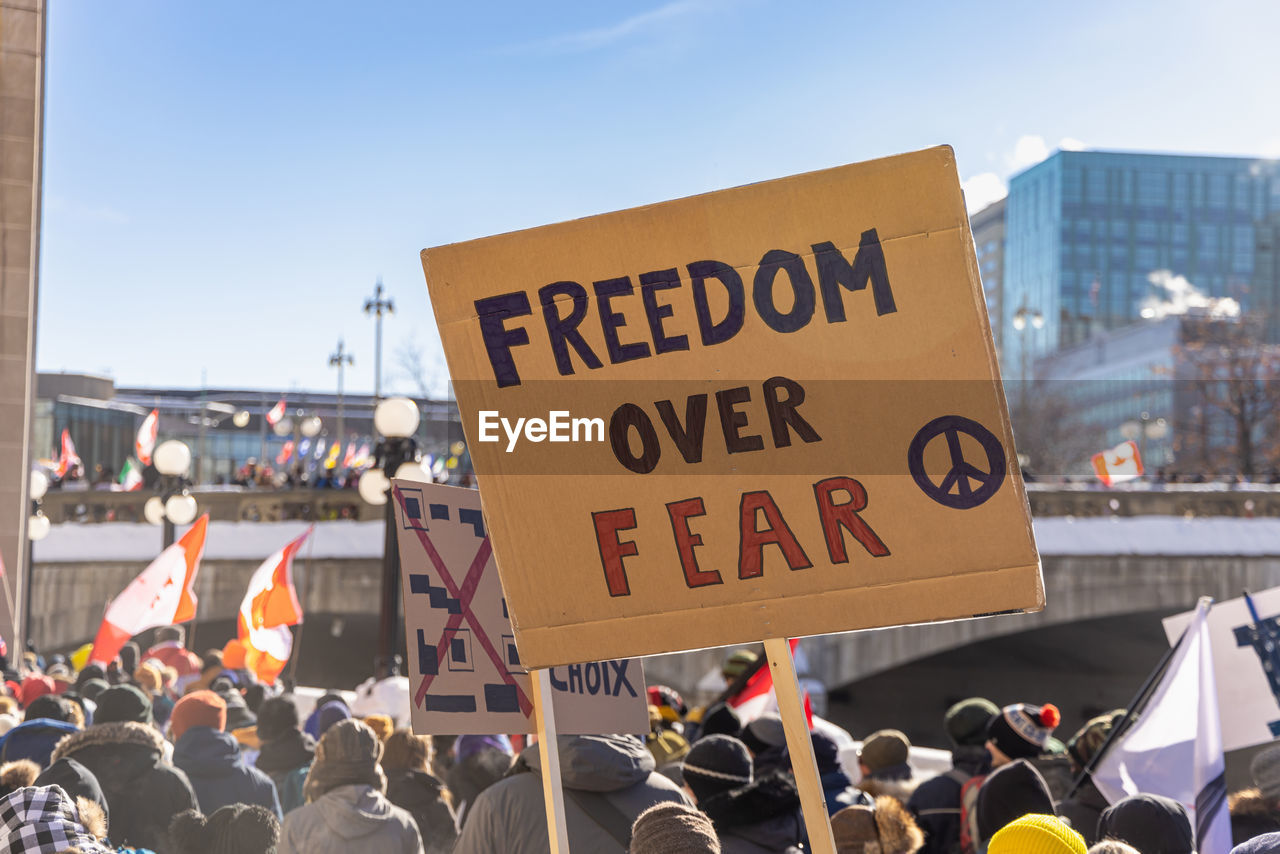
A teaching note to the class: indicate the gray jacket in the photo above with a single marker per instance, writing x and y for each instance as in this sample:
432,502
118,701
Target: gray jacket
510,817
350,818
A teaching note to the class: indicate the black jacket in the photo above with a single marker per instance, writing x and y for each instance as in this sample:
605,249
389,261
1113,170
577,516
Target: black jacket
935,803
762,817
295,749
424,797
143,792
1083,809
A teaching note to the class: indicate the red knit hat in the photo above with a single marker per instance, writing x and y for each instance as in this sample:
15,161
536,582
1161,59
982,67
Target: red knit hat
199,708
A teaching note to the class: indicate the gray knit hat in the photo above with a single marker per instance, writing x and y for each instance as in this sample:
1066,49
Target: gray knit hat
673,828
347,754
1265,769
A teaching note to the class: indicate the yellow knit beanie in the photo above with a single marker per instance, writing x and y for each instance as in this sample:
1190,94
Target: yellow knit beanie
1037,834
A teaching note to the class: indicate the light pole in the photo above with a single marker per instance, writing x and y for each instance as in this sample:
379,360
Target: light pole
376,306
1022,318
1141,429
396,420
340,360
175,505
37,529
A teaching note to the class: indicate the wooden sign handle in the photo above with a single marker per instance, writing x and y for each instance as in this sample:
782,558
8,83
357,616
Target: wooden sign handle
552,785
796,727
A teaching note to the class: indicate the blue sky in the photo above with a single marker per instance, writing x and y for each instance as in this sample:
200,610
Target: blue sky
225,181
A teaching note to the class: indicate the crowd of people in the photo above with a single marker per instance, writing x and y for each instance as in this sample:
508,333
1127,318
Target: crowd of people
166,751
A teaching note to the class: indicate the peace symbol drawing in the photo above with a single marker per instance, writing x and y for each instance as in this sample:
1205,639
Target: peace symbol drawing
957,488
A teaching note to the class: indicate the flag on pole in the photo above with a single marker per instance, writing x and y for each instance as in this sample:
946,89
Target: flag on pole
362,457
350,458
145,443
320,448
130,476
276,413
286,453
757,696
1121,463
68,457
334,451
163,594
1175,748
304,448
269,607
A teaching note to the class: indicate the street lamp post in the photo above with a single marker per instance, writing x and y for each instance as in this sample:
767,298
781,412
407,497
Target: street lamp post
376,306
1141,429
37,529
174,505
396,420
340,360
1022,318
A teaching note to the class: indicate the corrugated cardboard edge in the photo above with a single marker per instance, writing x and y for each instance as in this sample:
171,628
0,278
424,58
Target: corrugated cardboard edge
1008,590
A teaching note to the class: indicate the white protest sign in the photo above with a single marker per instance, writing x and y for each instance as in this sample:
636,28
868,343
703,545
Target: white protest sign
1248,705
464,669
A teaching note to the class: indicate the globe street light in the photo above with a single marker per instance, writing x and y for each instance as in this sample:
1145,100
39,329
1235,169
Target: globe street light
174,505
396,419
1141,429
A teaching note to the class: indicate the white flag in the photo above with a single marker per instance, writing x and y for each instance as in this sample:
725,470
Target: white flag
1175,748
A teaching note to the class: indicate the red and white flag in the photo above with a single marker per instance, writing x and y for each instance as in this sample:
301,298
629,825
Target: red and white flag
276,413
145,444
68,458
286,453
163,594
270,606
757,696
350,458
1121,463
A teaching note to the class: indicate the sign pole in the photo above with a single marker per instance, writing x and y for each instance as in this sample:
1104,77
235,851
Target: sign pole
552,785
796,728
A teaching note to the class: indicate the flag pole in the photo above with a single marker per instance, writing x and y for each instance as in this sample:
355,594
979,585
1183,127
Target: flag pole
1139,700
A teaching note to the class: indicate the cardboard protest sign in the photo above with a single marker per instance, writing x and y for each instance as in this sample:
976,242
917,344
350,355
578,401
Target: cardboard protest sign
771,411
464,668
1247,674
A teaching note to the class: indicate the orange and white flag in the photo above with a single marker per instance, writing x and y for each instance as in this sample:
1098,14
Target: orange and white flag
1121,463
163,594
144,445
269,607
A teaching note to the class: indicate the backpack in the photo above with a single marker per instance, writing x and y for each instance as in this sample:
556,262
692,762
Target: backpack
969,814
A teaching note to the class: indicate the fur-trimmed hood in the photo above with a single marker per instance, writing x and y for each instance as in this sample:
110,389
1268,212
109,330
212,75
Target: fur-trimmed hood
114,734
900,789
1251,803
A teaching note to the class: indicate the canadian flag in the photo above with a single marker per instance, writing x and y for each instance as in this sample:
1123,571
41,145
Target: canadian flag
286,453
757,696
276,413
163,594
1121,463
269,607
145,444
68,457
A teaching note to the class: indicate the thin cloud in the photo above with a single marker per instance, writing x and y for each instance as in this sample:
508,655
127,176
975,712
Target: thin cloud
584,41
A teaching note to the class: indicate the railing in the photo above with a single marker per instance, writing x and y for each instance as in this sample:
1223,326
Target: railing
1242,500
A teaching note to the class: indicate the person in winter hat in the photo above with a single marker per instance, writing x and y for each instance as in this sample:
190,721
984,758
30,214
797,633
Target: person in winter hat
751,814
1010,792
767,741
49,719
1037,834
1083,808
608,781
884,756
77,781
151,681
328,715
285,753
170,650
1257,811
883,828
1267,843
479,762
233,829
406,761
36,820
1151,823
719,719
127,758
347,809
211,758
673,828
312,725
837,788
935,803
1020,731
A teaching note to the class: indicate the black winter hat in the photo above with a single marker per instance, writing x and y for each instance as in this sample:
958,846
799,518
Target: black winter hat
1009,793
720,719
1151,823
123,703
276,717
77,781
715,764
93,688
51,706
763,733
966,722
235,829
1021,731
826,752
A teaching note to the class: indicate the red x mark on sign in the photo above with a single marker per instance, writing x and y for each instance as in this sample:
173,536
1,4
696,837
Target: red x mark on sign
464,595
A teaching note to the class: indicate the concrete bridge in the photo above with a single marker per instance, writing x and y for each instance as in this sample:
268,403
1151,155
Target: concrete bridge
1105,555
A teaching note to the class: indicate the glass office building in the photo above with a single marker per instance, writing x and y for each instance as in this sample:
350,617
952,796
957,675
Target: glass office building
1085,230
